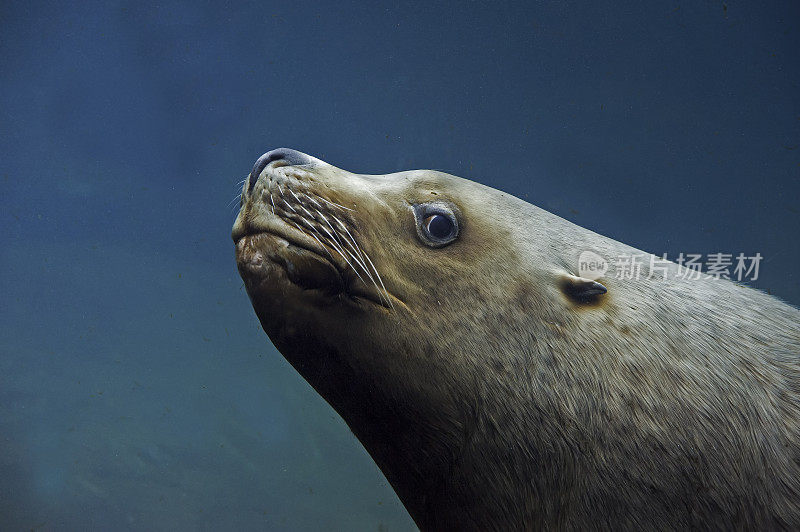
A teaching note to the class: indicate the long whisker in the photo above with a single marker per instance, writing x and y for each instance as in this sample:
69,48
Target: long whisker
361,262
334,204
300,203
318,206
284,199
336,233
365,256
240,184
342,241
313,201
232,204
352,240
335,236
289,205
339,240
331,240
354,245
342,252
379,279
238,197
323,246
305,223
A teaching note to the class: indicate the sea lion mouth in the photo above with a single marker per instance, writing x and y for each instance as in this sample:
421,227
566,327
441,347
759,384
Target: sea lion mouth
264,256
284,222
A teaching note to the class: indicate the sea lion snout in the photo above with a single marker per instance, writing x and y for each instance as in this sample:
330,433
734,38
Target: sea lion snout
297,200
286,155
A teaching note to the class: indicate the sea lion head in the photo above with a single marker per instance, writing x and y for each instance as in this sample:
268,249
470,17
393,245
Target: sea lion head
383,269
399,298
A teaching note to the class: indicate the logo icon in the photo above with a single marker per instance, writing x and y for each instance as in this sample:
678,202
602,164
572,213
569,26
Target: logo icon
591,265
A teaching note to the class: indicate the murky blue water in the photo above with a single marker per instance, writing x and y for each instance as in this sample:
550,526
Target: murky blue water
136,387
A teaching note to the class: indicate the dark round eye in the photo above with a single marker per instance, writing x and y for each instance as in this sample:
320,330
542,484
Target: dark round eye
439,226
437,223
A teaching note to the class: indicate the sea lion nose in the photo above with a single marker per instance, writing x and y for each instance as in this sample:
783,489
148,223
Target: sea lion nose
292,157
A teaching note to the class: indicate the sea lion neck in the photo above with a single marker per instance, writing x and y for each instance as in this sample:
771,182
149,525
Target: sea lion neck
414,435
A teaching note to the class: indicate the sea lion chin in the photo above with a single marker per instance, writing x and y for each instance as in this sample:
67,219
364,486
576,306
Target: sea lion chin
269,258
498,389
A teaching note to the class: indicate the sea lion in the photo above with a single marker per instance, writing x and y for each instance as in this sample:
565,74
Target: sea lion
495,386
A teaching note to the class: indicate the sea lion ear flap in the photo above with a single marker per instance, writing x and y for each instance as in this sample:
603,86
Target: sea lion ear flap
580,289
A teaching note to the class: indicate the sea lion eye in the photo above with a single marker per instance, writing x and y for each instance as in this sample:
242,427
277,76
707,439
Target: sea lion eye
437,224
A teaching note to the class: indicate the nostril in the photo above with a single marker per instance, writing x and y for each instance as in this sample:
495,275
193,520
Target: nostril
292,157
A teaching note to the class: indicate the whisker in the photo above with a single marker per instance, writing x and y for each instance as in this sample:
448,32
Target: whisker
323,246
305,223
352,239
361,262
329,225
300,203
232,203
380,280
280,189
340,250
335,236
238,197
334,204
354,245
337,244
340,240
240,184
288,205
366,256
313,201
332,235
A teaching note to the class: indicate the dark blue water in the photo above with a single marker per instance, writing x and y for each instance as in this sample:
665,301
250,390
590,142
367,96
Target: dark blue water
136,387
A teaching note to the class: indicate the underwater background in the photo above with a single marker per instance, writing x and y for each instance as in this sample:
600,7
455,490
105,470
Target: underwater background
137,390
